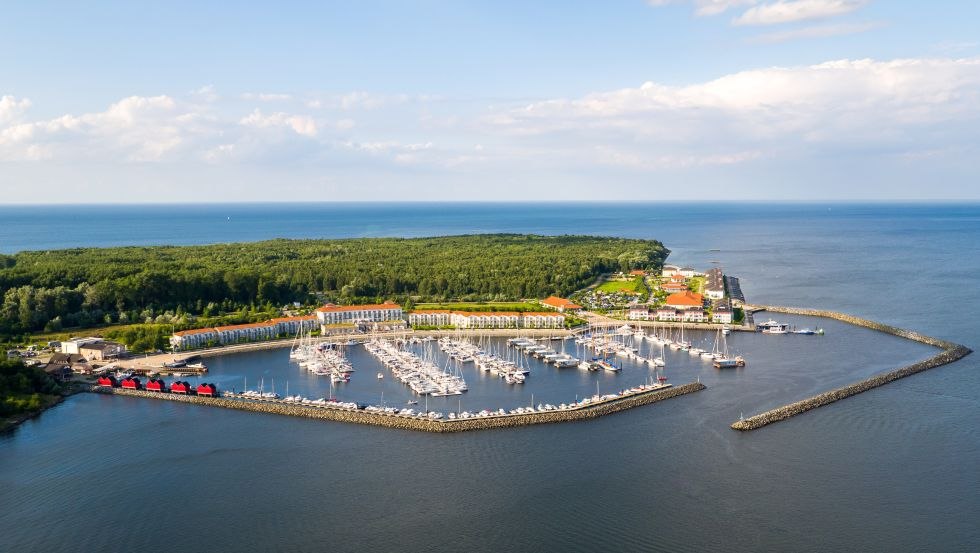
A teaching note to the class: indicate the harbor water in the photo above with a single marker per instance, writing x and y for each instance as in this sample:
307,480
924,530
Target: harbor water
893,469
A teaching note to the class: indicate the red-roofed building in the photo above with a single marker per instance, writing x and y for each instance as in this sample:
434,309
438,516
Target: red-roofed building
560,304
673,287
194,338
249,332
638,272
685,300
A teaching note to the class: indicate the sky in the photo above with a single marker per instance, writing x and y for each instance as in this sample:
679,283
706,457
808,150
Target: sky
126,102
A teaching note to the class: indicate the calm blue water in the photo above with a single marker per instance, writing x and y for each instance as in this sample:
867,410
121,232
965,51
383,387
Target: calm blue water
890,470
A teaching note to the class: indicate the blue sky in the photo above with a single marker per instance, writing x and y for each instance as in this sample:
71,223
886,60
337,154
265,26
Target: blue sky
718,99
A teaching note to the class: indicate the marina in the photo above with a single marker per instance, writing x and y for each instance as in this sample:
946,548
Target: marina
458,375
664,461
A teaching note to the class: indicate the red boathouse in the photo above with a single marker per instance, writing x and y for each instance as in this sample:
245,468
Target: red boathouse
107,381
179,387
131,383
207,390
156,385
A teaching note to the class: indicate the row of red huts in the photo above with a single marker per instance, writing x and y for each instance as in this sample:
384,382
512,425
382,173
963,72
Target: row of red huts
158,385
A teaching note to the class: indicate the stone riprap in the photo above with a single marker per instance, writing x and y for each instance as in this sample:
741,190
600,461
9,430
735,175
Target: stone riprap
950,352
405,422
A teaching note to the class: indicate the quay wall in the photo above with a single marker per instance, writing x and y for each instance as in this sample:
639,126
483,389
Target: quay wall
689,326
949,352
415,423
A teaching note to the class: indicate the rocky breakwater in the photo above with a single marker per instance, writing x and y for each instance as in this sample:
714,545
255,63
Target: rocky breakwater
949,352
420,423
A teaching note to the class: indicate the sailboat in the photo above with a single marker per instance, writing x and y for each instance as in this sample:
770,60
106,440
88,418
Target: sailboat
723,361
662,375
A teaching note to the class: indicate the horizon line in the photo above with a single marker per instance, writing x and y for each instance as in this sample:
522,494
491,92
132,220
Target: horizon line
840,201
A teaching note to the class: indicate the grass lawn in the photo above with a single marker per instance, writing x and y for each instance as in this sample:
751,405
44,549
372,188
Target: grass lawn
696,285
62,335
632,286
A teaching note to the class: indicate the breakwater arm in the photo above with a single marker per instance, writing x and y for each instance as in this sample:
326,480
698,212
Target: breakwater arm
423,424
949,352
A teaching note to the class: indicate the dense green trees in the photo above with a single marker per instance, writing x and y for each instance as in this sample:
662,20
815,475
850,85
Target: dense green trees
23,388
88,286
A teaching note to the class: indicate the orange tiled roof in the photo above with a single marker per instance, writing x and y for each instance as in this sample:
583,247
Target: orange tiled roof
193,331
685,298
487,313
243,326
555,301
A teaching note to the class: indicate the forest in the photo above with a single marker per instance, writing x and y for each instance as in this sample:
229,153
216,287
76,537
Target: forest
24,389
83,287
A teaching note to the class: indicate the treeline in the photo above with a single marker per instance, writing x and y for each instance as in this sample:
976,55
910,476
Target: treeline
23,388
90,286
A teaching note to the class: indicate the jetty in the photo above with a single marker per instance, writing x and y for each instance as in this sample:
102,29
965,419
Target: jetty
948,353
426,422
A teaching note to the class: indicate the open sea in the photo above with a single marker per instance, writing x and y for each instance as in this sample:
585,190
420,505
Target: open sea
894,469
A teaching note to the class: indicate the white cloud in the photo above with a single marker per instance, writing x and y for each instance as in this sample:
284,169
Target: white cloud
608,155
137,128
366,100
206,93
789,11
772,113
707,7
385,147
11,108
267,96
894,111
300,124
361,100
815,31
834,83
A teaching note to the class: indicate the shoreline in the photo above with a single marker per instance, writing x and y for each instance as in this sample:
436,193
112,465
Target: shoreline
949,353
11,423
